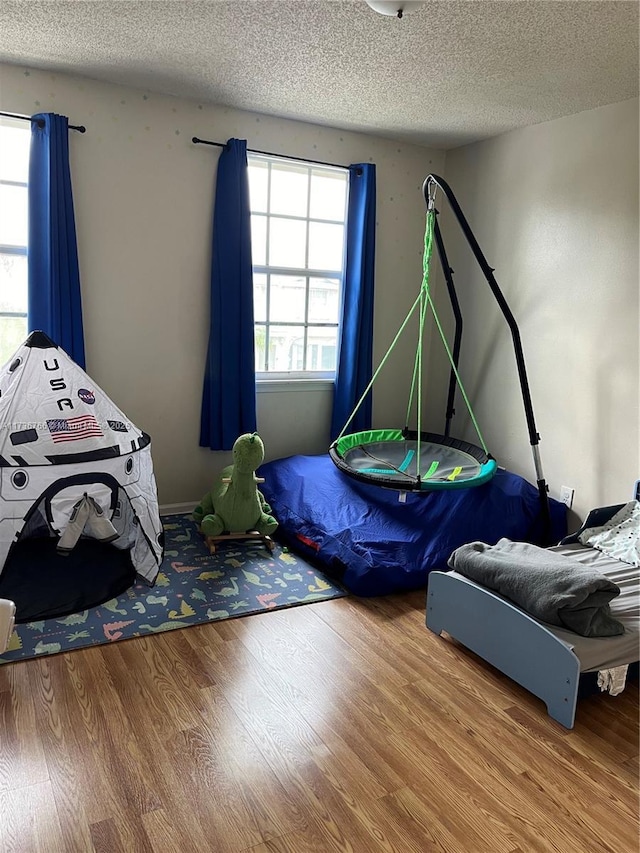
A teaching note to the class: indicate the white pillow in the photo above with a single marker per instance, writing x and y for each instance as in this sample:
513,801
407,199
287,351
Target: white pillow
619,537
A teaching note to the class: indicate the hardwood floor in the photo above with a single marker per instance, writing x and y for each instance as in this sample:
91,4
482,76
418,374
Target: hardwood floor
338,726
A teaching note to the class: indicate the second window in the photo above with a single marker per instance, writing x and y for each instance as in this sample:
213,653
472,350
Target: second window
298,213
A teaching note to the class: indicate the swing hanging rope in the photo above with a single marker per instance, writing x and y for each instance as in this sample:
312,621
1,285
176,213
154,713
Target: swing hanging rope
425,287
423,301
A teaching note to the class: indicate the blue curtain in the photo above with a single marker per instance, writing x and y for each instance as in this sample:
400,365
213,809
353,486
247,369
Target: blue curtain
229,395
355,351
54,301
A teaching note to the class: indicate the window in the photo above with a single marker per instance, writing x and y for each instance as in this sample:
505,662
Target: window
15,138
298,213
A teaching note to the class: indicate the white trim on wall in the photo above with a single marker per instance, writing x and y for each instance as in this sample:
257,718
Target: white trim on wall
178,509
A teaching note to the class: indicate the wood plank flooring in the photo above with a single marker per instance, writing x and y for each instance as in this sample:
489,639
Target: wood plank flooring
337,726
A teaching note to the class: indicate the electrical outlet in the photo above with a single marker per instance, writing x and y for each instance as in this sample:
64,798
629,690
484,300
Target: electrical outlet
566,495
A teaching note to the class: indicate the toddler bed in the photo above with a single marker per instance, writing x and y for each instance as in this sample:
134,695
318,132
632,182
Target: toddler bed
546,659
377,541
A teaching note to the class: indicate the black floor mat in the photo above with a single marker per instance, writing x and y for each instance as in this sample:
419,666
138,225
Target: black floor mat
44,584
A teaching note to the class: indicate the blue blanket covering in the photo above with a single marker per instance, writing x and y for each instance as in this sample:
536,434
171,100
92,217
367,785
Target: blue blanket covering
377,541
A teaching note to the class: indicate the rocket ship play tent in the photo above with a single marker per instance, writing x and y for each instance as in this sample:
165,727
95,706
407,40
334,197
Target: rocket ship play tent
74,472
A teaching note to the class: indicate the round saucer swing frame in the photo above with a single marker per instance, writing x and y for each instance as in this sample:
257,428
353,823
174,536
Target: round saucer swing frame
415,460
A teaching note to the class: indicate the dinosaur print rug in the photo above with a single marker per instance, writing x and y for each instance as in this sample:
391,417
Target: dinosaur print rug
192,587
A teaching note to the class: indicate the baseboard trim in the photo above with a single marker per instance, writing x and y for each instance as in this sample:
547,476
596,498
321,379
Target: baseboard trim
177,509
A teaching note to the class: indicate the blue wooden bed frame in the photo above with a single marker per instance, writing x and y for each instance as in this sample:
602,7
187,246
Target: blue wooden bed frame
508,638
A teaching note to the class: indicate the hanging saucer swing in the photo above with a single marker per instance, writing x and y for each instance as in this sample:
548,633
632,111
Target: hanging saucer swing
412,459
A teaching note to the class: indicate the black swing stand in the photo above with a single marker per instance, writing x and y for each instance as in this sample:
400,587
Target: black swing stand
429,185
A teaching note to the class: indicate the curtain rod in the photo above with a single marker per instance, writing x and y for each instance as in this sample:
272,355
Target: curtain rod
40,122
198,141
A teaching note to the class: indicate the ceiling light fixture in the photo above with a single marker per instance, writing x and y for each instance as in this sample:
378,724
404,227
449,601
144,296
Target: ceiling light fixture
395,8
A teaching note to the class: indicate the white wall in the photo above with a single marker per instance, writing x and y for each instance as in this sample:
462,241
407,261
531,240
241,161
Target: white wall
555,211
143,201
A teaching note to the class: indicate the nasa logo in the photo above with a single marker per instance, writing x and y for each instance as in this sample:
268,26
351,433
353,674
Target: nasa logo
87,396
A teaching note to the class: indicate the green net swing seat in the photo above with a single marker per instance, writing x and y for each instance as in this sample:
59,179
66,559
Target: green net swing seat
396,459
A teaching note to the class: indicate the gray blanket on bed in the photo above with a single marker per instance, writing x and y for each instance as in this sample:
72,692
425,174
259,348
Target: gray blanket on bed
548,586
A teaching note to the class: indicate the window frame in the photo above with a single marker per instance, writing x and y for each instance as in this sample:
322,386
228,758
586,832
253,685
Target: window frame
278,380
10,248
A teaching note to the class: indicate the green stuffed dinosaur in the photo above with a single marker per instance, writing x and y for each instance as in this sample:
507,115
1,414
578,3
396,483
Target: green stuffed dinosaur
234,504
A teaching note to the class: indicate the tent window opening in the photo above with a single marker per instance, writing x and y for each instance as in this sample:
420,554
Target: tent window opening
15,137
298,219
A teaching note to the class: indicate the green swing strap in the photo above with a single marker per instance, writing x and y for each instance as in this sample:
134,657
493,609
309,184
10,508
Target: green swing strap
423,301
428,301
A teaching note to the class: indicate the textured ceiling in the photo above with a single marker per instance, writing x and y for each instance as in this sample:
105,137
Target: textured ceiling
450,73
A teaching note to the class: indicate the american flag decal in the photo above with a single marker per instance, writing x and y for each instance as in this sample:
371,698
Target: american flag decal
74,429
